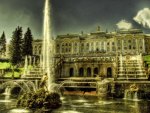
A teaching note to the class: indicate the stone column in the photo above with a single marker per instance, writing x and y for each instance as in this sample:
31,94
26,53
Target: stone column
143,45
110,46
94,44
60,48
34,61
104,45
76,71
100,46
79,47
92,72
137,48
122,46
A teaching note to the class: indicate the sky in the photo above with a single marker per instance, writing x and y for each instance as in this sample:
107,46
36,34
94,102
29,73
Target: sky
74,16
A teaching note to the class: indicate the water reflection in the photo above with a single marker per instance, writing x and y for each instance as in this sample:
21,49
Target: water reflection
78,104
19,111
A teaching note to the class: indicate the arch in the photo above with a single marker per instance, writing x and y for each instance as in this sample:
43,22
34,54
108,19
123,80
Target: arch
89,72
81,72
109,72
71,72
95,71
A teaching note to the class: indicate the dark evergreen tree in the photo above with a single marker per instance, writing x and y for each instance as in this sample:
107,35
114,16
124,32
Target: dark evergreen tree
16,47
27,43
3,43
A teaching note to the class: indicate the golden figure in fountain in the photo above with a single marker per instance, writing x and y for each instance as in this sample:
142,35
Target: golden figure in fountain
134,87
43,83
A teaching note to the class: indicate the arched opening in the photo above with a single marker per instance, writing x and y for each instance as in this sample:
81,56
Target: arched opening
89,72
95,72
16,90
71,72
81,72
109,72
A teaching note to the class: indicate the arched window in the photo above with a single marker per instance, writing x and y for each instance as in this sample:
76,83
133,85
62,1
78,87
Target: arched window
71,72
95,71
89,72
81,72
130,47
109,72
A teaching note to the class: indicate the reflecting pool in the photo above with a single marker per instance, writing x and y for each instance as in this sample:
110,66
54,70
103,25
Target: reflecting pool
80,104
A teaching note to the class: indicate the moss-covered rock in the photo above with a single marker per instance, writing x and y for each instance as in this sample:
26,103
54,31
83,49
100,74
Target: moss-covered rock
40,99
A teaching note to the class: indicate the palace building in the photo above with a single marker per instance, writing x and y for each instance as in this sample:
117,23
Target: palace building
97,53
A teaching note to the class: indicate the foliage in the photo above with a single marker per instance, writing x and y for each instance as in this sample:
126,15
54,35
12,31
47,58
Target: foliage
4,65
40,99
3,43
27,43
16,46
147,58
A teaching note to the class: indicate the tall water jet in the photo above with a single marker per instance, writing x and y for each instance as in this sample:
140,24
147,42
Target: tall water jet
25,65
48,46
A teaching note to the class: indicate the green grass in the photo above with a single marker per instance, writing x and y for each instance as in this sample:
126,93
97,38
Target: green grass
9,75
4,65
7,65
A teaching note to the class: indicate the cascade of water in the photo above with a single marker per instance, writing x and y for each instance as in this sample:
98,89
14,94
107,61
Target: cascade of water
135,96
7,91
125,94
48,49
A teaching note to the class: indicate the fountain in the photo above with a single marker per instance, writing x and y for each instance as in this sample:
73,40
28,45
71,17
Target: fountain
48,47
44,98
131,68
25,66
7,91
132,93
102,89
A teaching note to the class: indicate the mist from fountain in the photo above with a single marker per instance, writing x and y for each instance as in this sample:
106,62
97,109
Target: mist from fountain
48,49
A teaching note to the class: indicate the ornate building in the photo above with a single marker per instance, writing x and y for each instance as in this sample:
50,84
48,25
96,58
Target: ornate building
95,54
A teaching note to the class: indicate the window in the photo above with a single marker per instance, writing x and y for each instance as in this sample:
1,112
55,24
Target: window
113,43
96,43
113,48
130,47
75,44
81,72
71,72
89,72
129,41
95,72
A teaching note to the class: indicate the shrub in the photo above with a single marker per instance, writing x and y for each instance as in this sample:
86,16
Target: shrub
40,99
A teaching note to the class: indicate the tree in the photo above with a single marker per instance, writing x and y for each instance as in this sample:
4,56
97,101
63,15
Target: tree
3,43
27,43
16,47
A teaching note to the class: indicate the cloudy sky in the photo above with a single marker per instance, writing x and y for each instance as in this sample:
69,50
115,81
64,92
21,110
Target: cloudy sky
74,16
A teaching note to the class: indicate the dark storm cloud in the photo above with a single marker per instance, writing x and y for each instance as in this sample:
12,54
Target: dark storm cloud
25,13
77,15
68,15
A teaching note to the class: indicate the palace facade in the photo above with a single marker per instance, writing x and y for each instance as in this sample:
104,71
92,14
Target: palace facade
95,54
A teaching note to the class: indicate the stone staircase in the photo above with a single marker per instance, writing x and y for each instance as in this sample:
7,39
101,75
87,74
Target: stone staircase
35,72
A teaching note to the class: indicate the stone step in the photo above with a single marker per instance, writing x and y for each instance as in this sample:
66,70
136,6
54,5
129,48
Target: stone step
33,76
